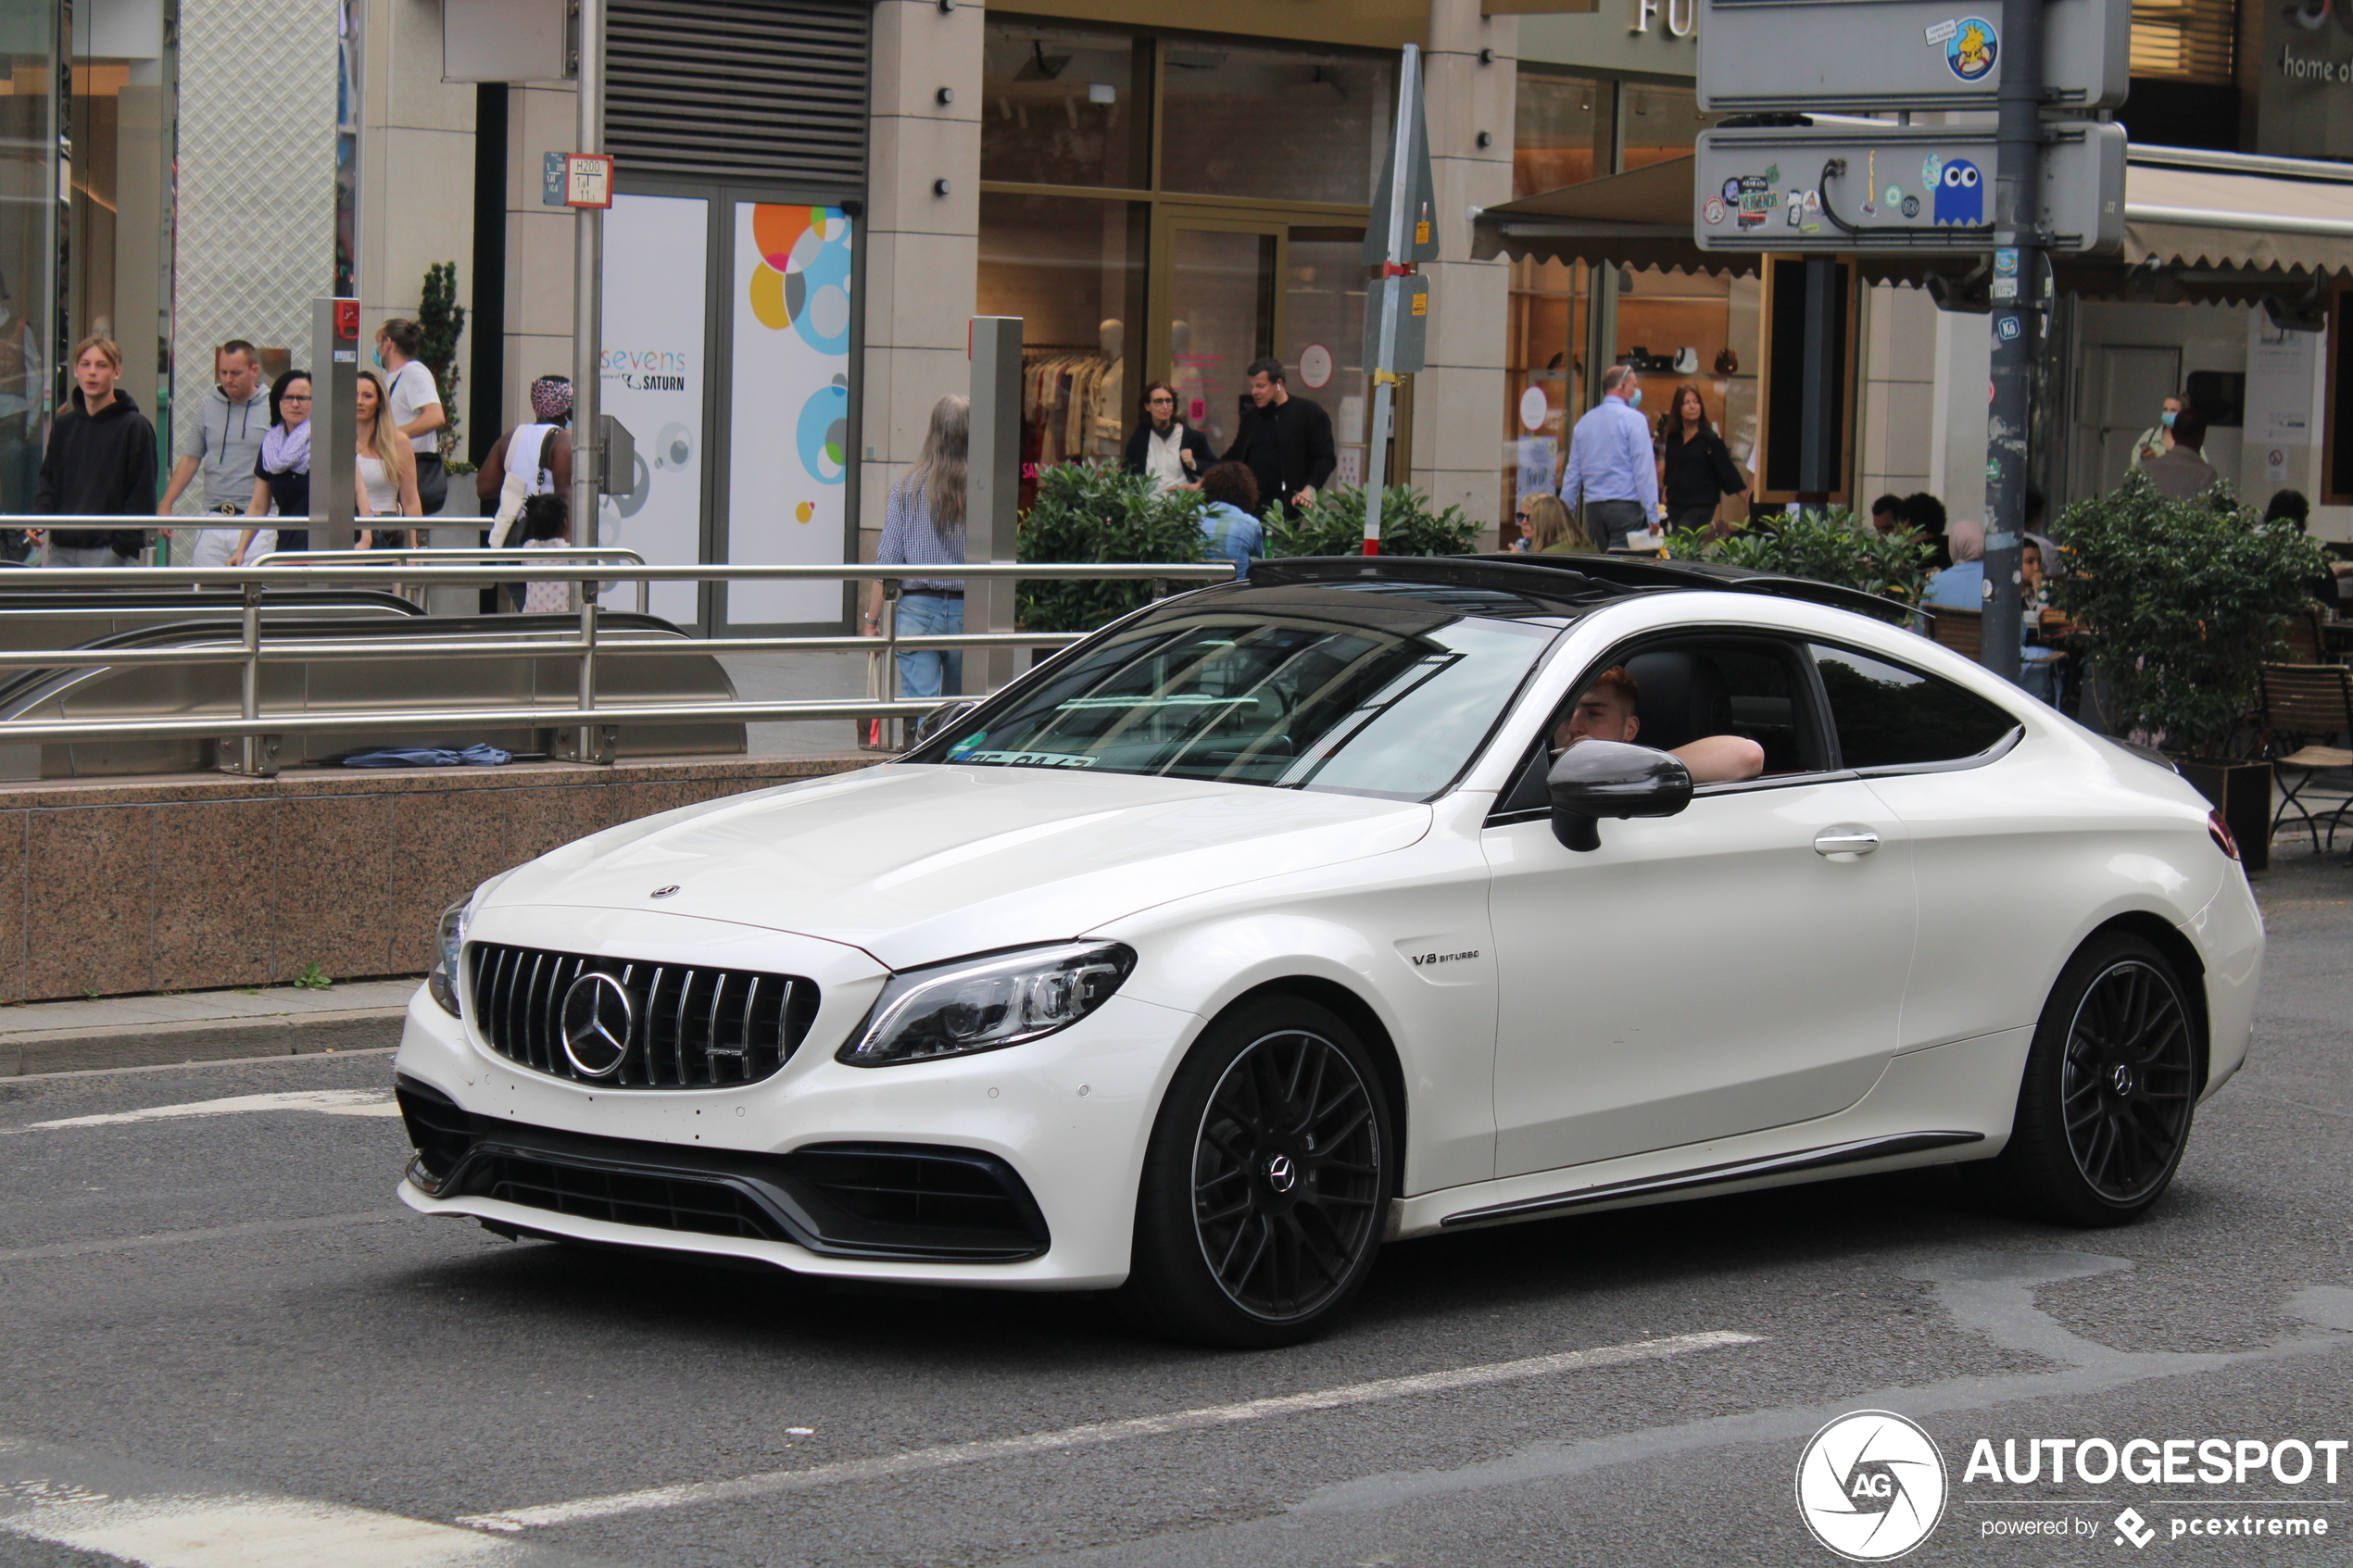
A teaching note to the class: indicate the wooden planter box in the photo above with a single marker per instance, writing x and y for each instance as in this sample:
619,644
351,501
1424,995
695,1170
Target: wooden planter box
2242,792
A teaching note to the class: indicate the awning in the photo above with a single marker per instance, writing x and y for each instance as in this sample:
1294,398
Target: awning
2198,225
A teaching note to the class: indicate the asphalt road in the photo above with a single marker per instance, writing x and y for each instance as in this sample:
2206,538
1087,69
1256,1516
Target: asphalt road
187,1361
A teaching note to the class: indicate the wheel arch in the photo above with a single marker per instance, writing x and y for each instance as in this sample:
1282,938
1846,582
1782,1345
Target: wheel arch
1359,1015
2179,950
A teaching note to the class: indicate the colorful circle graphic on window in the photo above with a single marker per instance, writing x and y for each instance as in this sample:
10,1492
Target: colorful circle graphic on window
822,433
803,280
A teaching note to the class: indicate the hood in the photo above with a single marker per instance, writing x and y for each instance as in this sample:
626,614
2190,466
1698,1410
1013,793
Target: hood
916,863
123,404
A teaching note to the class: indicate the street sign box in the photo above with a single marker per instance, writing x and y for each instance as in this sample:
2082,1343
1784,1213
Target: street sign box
1421,212
588,179
1898,187
1830,55
1409,297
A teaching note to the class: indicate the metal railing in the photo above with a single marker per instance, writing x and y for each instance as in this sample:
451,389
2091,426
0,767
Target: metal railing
255,730
426,555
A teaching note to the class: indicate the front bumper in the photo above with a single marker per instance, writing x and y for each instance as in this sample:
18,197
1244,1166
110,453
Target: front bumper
1062,1120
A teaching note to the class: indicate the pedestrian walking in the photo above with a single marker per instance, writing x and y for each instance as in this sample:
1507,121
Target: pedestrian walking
2183,472
1163,446
281,471
1611,471
924,525
531,460
1285,441
2156,440
1693,463
386,473
221,451
416,408
101,462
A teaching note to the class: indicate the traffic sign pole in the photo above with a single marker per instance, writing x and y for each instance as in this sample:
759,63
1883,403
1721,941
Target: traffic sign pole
1389,296
2017,289
587,292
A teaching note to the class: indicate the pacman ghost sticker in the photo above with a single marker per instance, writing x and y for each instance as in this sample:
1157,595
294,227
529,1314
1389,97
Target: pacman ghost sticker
1960,194
1972,49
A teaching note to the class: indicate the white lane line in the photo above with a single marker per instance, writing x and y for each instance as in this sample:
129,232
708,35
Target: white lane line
329,1102
213,1233
947,1455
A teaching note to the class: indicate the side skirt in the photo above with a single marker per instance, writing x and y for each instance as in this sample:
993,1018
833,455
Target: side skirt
1714,1175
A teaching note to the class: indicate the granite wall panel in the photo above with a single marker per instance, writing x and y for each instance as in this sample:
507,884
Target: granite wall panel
216,893
90,901
335,856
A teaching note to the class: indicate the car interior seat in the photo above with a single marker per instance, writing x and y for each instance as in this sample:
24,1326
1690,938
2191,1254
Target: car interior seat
1683,697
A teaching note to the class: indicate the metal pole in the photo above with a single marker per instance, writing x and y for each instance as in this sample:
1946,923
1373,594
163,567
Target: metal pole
588,746
1392,292
2017,319
588,287
334,413
992,493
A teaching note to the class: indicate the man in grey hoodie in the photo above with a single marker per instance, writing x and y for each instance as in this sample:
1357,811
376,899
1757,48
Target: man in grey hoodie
230,420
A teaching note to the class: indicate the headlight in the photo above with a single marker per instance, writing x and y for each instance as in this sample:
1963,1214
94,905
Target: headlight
986,1003
448,944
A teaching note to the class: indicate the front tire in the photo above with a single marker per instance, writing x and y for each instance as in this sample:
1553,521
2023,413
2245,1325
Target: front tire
2104,1105
1267,1182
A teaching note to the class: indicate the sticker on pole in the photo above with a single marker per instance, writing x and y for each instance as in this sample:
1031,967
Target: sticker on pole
588,179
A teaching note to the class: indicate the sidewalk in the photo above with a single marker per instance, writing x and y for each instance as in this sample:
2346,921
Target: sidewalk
200,1026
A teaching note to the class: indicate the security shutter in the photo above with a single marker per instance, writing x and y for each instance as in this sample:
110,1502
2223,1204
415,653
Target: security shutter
740,89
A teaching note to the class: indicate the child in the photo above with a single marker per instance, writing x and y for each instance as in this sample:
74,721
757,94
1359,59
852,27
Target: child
545,523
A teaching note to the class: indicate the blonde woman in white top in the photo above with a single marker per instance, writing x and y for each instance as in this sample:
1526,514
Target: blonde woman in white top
387,470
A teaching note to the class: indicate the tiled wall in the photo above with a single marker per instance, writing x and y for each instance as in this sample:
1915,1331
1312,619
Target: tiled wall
198,883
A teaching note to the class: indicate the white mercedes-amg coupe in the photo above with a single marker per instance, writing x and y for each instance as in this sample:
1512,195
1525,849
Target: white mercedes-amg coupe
1356,902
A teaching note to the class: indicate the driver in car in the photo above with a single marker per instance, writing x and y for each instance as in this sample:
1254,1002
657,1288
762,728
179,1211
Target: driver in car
1609,710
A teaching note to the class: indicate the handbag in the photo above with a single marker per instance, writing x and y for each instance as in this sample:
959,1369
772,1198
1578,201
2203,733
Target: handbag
433,483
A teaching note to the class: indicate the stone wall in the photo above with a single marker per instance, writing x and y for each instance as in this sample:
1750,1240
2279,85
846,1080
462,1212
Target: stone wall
198,882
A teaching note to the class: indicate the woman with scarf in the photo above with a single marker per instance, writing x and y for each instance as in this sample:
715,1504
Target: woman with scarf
281,474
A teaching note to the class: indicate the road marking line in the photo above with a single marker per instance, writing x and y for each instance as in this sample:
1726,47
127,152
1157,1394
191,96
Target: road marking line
215,1233
1096,1433
329,1102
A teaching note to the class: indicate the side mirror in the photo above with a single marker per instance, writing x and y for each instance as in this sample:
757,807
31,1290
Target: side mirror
1608,778
942,717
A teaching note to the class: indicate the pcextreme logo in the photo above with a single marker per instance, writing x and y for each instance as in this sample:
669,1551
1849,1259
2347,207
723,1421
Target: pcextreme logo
1872,1485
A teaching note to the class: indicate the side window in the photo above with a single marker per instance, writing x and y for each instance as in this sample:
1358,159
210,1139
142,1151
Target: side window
1888,716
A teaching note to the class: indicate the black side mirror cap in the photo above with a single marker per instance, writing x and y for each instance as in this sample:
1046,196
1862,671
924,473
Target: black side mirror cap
1602,778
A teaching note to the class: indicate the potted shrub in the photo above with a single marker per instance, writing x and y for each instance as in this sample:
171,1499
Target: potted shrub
2179,602
1094,512
1826,544
1335,526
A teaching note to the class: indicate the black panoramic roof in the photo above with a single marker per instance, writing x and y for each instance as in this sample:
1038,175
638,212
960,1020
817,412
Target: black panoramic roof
1579,580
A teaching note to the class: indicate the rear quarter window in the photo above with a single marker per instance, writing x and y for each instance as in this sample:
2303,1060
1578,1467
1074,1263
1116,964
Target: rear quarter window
1888,715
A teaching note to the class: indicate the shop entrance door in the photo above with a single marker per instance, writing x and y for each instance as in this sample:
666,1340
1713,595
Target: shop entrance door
1221,309
1239,288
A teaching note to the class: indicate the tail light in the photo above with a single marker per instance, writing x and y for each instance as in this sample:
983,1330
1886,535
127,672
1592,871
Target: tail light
2219,832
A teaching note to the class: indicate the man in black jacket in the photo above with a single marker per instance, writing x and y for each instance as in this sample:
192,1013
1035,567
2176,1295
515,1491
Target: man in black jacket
101,462
1285,441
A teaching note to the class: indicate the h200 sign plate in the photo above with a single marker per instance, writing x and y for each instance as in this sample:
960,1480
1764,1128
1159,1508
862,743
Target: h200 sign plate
1768,55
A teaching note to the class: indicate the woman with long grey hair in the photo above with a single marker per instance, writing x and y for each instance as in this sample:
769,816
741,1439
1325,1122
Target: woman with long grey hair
924,525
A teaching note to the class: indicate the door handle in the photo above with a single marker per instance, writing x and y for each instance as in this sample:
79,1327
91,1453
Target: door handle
1839,841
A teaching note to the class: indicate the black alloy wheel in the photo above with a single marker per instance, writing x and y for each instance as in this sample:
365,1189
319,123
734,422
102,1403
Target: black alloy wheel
2126,1084
1267,1182
2110,1089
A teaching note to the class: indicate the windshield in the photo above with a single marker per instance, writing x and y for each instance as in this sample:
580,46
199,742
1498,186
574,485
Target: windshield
1387,704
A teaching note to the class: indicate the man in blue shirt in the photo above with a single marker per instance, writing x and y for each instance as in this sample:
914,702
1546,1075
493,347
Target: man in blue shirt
1228,530
1611,466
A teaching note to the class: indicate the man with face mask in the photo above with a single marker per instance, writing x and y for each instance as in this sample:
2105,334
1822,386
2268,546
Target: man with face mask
1610,465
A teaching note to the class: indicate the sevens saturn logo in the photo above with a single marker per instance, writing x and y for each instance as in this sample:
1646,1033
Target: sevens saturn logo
1872,1485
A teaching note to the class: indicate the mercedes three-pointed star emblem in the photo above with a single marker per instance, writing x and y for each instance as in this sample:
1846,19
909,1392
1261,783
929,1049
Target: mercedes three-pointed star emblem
598,1019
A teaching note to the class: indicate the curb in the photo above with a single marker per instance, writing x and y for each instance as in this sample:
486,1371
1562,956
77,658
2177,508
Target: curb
161,1045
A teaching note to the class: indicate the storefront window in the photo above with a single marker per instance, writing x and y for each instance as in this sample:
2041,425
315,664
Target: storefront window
28,246
1661,123
1704,332
1561,134
115,256
1061,106
1071,267
1324,335
1277,124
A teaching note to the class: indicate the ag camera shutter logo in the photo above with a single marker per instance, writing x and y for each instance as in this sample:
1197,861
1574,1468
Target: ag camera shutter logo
1872,1485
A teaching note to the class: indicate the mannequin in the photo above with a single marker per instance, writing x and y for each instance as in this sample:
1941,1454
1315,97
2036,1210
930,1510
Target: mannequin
1110,428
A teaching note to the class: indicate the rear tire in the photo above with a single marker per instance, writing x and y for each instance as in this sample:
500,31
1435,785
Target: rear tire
1266,1183
2104,1105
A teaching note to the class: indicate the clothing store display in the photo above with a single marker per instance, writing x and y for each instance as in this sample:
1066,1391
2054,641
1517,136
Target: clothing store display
1065,397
